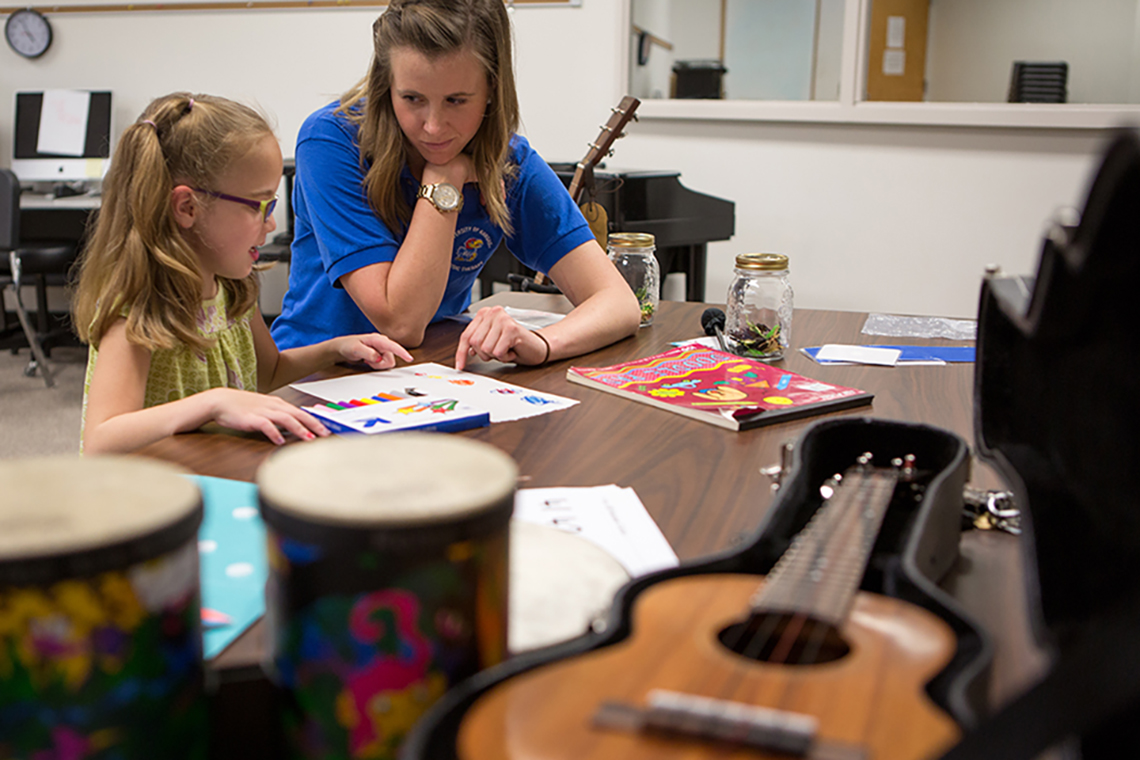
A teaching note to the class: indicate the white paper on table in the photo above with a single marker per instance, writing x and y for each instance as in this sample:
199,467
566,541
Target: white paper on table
609,516
836,352
533,319
706,342
63,122
503,401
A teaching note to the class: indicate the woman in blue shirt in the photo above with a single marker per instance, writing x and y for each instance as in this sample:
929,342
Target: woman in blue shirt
406,186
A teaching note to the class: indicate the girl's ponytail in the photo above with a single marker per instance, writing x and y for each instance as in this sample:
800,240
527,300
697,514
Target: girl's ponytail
137,260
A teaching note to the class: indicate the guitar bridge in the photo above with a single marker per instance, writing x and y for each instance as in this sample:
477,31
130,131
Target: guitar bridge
725,721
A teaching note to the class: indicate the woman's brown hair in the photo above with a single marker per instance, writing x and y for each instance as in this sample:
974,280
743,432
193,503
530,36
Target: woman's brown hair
436,28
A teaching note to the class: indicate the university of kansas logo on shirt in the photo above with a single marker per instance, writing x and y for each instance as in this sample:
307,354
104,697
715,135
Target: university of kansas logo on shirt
470,242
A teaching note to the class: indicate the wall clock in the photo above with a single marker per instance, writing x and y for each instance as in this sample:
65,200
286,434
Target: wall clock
28,33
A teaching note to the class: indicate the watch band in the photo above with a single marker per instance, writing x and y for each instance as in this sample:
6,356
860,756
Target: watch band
444,204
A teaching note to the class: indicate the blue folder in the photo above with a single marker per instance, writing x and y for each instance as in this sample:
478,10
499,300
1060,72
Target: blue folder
948,354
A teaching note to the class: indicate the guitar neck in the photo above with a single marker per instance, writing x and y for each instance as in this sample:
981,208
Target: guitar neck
821,571
611,130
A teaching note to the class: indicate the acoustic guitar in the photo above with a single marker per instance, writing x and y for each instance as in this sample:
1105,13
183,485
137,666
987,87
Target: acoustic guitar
582,182
797,663
582,188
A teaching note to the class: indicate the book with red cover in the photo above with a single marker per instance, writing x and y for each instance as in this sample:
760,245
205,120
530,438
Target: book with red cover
722,389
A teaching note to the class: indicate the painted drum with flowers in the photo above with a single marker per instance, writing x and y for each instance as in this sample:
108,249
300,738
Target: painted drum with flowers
388,573
100,630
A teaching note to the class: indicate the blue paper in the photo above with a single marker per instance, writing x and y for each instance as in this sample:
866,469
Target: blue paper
948,354
231,544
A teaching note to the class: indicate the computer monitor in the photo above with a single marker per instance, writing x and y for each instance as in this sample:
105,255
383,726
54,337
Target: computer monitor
32,166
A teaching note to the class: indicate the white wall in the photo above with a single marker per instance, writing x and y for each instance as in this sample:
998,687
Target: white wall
973,44
891,219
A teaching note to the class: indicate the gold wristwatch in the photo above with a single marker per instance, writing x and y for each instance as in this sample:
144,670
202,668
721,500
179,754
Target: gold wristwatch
442,195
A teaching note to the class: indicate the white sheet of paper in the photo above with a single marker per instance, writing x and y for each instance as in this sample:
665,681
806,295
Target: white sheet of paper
894,62
837,352
63,122
610,516
896,31
504,402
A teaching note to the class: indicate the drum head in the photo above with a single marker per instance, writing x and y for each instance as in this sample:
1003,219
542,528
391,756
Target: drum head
91,512
560,583
395,480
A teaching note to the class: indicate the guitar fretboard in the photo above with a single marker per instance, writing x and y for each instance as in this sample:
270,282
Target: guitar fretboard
821,571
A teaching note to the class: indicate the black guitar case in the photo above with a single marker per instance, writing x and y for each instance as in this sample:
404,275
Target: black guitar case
1057,407
914,550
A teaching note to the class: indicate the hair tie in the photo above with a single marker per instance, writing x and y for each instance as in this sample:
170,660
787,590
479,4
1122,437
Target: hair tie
190,106
546,358
148,121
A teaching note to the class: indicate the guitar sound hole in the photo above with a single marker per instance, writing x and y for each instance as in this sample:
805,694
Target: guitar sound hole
784,639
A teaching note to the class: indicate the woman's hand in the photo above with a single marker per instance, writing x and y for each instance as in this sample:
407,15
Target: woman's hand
458,172
492,334
255,412
374,349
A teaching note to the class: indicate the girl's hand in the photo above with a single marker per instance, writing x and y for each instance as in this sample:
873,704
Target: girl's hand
374,349
246,410
492,334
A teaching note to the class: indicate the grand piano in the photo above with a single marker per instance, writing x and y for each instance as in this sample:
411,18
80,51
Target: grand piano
683,222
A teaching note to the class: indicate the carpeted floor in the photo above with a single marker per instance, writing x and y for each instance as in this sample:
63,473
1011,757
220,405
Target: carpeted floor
37,420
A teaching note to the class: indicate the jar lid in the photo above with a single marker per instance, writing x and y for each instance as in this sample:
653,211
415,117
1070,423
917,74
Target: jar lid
768,261
631,240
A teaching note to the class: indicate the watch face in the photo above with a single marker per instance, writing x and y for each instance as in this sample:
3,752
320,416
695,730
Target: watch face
446,196
28,33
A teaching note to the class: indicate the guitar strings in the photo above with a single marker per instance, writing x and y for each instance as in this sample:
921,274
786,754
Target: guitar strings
852,503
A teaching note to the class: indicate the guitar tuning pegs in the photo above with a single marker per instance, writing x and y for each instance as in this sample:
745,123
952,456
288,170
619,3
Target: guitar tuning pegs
776,472
609,154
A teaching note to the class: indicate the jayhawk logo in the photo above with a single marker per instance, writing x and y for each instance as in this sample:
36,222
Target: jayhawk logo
467,251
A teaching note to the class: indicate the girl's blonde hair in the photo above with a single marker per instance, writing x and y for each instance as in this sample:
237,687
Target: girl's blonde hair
436,28
137,260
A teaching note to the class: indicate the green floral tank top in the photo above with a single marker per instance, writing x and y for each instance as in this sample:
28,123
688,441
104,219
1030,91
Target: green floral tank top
176,373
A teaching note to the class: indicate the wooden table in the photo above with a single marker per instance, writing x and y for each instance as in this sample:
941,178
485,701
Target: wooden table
701,483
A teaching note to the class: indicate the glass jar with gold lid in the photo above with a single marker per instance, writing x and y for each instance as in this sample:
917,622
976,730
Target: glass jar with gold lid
634,255
758,317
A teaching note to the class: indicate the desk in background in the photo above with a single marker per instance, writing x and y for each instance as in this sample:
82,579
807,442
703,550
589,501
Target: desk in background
702,484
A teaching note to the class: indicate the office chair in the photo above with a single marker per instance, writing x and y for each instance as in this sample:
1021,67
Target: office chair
27,263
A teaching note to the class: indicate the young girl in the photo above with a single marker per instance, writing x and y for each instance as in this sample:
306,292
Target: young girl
167,297
407,185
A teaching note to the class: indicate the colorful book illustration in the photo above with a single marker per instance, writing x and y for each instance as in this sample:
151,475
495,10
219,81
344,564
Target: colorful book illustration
385,413
428,381
722,389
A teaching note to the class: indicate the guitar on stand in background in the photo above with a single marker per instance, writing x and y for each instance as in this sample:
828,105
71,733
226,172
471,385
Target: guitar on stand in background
582,187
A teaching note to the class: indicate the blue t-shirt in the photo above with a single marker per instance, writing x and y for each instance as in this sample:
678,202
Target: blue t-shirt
337,232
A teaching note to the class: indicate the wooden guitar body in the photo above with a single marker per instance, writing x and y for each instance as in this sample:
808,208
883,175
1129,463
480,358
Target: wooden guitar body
908,674
872,698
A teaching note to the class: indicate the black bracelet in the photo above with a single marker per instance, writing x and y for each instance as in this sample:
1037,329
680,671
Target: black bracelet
546,358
